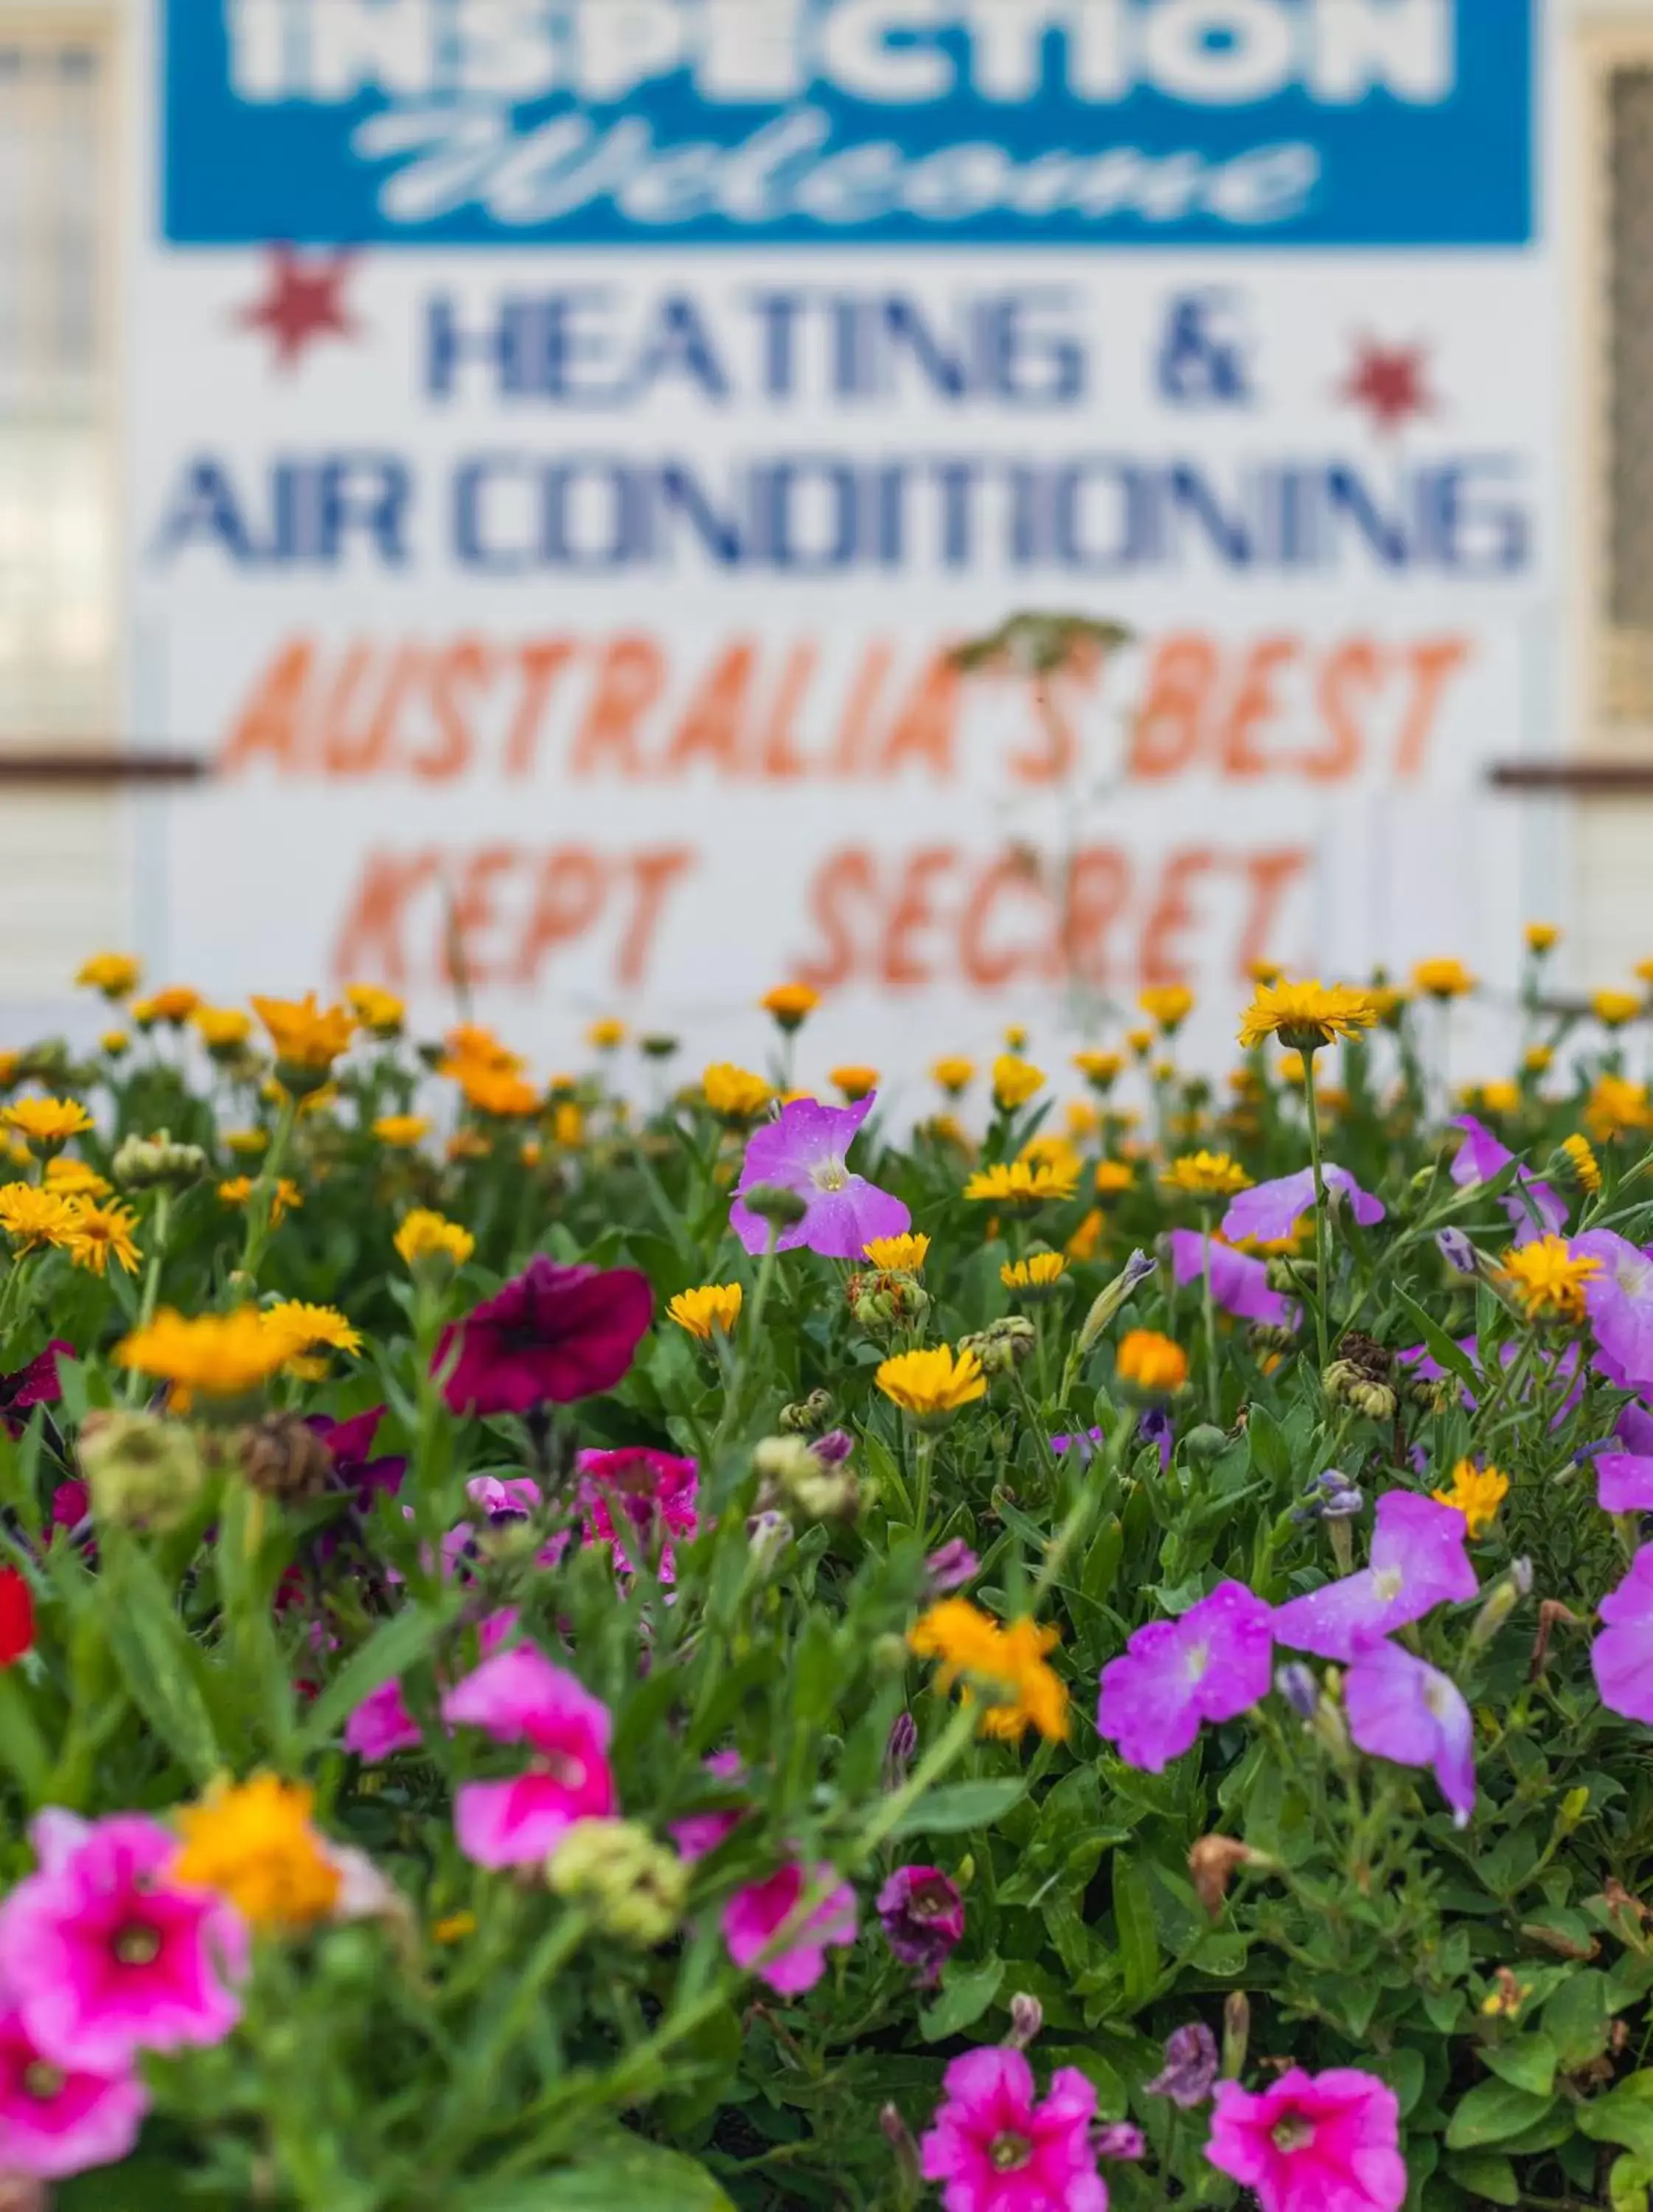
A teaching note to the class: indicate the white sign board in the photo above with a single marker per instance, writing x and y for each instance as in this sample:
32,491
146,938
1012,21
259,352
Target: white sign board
571,435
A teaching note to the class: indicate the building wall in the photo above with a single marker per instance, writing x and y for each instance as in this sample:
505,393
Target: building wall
70,882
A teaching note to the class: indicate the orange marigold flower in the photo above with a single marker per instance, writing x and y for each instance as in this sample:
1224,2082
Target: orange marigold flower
116,974
1151,1363
855,1082
1443,978
306,1037
790,1005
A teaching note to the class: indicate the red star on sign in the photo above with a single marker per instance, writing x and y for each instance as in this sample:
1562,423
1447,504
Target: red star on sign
1390,381
302,304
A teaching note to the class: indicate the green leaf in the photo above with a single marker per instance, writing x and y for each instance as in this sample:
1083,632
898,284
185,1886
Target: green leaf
389,1651
1441,1346
1529,2063
1492,2112
1577,2019
958,1806
1138,1941
966,1993
158,1659
1271,1456
618,2170
1628,2184
1483,2174
1624,2116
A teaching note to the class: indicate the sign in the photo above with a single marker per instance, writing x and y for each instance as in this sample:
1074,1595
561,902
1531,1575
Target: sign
564,571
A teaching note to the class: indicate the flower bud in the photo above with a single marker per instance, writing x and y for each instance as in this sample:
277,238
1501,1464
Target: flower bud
656,1045
1003,1345
949,1567
884,1302
1026,2019
1213,1862
910,2173
1107,1302
1206,1443
1297,1685
1457,1250
156,1163
635,1885
819,1488
1500,1601
1266,1336
1291,1276
768,1535
143,1472
772,1202
901,1747
1189,2073
807,1414
1570,1814
283,1458
1119,2143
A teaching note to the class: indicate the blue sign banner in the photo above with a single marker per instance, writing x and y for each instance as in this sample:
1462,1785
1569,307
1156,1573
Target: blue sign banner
645,123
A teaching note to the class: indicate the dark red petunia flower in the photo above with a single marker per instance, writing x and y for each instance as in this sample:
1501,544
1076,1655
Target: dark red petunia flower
552,1332
349,1446
36,1384
16,1617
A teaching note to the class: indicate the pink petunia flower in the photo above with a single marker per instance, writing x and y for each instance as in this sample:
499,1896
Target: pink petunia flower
804,1151
1314,2142
107,1955
57,2120
995,2148
753,1917
698,1833
382,1724
1619,1299
520,1697
1239,1283
1533,1208
1208,1666
642,1490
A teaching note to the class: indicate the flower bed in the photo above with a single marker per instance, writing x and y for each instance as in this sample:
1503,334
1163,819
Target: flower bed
555,1654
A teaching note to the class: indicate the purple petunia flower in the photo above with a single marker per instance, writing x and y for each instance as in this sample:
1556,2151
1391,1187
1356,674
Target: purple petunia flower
804,1151
922,1916
1623,1482
1239,1284
1191,2060
1157,1427
1208,1666
349,1446
550,1332
1269,1212
1619,1300
1418,1562
1401,1709
1621,1657
1535,1210
1634,1430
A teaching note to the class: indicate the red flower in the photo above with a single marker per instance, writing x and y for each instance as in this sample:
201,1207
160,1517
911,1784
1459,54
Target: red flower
555,1333
16,1617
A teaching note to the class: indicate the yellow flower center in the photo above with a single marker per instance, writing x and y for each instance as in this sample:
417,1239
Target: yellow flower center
42,2081
831,1174
1294,2133
1009,2153
1195,1661
137,1944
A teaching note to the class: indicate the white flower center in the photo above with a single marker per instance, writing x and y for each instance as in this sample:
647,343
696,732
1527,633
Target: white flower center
830,1175
1438,1696
1195,1660
1386,1583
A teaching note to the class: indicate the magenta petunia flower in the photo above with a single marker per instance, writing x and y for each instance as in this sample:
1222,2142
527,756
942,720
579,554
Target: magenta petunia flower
108,1956
1313,2142
1401,1709
922,1916
55,2120
382,1724
804,1151
551,1332
697,1833
995,2147
754,1916
1239,1284
1269,1212
1418,1562
37,1384
1208,1666
644,1491
1621,1657
520,1697
1623,1482
1533,1208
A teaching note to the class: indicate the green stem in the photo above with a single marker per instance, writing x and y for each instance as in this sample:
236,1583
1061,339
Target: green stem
934,1763
924,1444
1322,1271
1209,1305
261,1206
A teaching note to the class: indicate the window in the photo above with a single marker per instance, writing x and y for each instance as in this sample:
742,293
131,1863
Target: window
56,460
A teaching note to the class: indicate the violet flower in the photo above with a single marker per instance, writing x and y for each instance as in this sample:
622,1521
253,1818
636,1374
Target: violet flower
1621,1657
1239,1284
950,1566
1086,1442
551,1332
1401,1709
1119,2143
1533,1208
349,1446
1269,1212
922,1915
1157,1427
1634,1430
698,1833
1418,1562
804,1151
1191,2060
1208,1666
